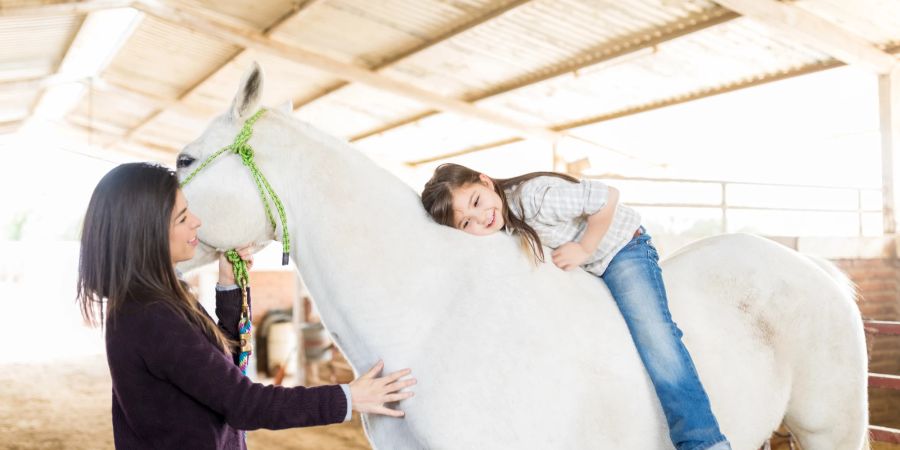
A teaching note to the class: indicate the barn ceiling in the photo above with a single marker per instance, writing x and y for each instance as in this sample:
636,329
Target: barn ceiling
146,76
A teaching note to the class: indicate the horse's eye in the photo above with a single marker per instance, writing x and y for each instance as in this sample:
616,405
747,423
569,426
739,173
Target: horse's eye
184,161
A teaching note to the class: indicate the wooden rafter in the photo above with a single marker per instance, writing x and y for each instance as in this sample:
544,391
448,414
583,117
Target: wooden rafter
393,59
816,32
10,126
62,9
889,127
142,149
691,96
56,66
608,51
187,93
249,38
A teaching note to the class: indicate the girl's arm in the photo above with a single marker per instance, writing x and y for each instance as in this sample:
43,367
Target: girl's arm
599,222
572,254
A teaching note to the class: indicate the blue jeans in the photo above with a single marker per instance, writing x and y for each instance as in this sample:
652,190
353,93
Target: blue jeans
635,281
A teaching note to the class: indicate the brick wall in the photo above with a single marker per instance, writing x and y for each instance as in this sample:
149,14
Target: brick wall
878,284
272,290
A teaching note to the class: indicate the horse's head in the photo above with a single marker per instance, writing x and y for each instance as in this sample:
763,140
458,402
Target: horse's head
223,193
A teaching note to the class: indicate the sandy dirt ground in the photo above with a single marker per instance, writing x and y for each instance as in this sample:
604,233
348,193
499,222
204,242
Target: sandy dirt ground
66,405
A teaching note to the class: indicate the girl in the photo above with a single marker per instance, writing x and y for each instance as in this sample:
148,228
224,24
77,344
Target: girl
175,382
587,227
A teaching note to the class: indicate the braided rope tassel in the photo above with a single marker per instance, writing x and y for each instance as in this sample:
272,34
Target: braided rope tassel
246,350
242,278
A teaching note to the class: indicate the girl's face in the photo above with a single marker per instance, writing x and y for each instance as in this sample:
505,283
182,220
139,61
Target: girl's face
182,231
477,209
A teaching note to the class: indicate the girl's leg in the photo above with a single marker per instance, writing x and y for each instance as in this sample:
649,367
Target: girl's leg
635,281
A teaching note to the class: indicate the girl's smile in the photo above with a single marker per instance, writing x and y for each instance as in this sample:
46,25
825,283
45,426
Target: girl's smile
476,208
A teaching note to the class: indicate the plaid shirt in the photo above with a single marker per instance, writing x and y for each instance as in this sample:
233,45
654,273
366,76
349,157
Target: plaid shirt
558,209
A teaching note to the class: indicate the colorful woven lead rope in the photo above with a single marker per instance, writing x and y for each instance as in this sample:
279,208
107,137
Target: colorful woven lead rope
241,277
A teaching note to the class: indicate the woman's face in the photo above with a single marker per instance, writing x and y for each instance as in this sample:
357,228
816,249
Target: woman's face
182,231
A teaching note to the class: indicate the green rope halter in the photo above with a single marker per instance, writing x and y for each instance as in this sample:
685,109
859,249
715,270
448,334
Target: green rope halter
241,275
245,151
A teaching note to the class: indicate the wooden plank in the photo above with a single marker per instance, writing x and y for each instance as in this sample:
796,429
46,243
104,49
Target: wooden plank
57,65
393,59
662,103
810,29
882,381
631,43
191,89
62,9
884,434
679,99
882,327
889,125
249,38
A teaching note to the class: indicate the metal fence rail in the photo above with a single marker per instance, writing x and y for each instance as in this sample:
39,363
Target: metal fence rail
882,381
724,205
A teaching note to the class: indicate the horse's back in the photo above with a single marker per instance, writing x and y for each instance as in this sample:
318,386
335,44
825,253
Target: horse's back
545,359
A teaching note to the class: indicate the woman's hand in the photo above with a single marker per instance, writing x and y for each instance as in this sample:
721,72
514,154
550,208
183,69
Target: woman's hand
369,394
570,255
226,273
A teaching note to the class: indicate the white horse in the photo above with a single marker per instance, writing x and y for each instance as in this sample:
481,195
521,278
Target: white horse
509,356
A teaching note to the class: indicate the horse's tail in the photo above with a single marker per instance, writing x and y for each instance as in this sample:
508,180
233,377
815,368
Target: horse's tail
848,287
829,392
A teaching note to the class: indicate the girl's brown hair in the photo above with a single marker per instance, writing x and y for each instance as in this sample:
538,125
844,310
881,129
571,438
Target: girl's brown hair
125,255
437,198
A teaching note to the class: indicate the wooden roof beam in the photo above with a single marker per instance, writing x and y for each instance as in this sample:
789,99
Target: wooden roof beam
62,9
249,38
623,46
816,32
393,59
176,101
56,67
679,99
297,10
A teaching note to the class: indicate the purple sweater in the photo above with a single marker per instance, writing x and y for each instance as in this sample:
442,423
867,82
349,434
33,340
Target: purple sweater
173,388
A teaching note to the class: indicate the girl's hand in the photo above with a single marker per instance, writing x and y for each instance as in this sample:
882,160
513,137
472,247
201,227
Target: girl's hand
570,255
369,394
226,273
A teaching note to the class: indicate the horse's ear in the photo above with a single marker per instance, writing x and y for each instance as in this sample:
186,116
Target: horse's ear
246,101
286,107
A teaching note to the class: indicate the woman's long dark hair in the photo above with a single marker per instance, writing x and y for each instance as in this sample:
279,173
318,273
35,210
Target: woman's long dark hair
437,198
125,255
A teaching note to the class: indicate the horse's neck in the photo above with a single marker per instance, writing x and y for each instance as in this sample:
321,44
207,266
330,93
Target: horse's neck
357,233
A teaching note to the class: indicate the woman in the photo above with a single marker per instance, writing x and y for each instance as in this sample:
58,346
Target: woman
175,382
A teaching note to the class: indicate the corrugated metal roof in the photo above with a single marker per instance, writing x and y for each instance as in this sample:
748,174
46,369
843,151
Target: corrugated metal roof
16,105
874,20
254,13
33,47
541,62
166,60
366,31
111,109
711,57
538,35
47,41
